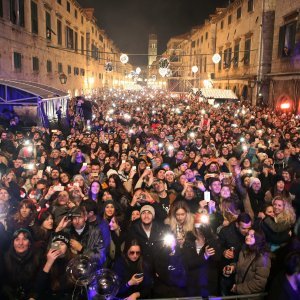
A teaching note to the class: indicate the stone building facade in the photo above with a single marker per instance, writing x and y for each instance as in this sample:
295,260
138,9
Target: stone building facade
249,36
41,40
284,78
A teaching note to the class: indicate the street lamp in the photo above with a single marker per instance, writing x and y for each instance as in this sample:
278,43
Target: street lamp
216,58
194,69
63,78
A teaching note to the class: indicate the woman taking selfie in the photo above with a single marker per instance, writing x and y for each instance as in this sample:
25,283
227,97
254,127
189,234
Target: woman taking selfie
134,275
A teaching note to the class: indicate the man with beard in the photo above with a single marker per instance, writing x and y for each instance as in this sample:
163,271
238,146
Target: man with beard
165,199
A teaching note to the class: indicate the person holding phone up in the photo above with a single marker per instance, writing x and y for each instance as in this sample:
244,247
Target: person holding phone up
133,272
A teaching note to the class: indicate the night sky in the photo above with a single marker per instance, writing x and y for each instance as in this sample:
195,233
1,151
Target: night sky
129,22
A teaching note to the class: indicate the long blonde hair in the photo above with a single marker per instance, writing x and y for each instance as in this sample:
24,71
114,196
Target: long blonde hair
288,215
188,224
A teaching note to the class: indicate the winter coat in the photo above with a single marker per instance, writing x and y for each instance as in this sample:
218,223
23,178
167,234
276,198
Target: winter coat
152,245
255,279
231,237
19,274
203,274
171,274
92,241
125,269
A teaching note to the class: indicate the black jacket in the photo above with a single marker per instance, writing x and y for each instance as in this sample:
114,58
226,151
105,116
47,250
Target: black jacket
152,245
231,237
19,274
203,275
171,274
125,269
92,241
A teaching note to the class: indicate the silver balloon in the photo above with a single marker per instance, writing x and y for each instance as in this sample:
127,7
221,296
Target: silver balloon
169,73
81,270
163,63
105,285
163,71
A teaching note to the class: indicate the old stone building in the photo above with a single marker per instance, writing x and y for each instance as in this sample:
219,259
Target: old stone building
285,74
244,33
43,40
258,43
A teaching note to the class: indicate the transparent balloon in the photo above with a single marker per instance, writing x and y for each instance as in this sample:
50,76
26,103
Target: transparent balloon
81,270
124,58
163,71
105,285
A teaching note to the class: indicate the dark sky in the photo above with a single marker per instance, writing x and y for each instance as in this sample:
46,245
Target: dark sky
129,22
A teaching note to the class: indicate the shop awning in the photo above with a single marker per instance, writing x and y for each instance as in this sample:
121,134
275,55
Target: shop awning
218,94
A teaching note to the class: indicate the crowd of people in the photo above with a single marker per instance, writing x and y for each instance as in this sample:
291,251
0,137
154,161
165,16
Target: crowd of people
180,198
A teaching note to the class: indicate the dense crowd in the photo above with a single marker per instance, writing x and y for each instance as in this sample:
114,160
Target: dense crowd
180,198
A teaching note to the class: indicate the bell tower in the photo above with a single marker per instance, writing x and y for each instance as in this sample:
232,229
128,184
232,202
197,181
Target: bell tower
152,48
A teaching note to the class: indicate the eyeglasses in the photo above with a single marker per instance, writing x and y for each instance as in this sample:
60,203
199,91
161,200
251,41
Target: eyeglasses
134,252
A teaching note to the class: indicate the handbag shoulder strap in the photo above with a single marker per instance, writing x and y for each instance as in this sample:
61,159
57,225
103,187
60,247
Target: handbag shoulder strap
249,266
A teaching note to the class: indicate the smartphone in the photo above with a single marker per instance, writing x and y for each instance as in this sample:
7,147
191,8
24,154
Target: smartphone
139,275
134,168
55,246
207,196
40,174
58,188
148,168
227,174
251,152
123,161
84,164
48,169
95,174
76,184
54,130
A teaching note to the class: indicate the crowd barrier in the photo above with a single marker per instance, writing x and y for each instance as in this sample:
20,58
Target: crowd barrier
259,296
